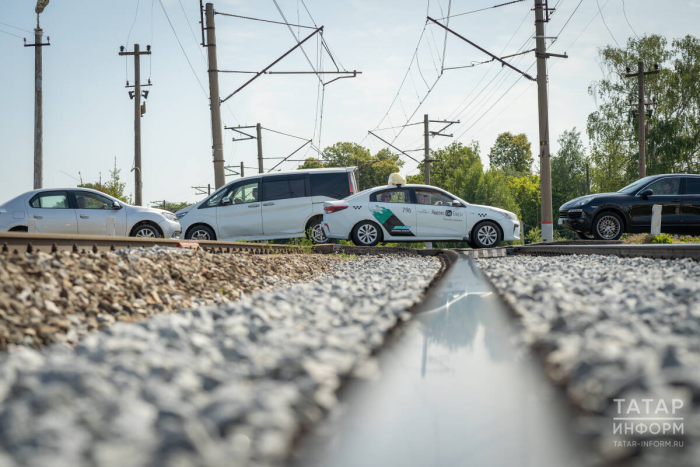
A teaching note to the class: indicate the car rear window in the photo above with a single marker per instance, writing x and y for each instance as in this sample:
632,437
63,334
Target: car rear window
692,186
276,189
333,185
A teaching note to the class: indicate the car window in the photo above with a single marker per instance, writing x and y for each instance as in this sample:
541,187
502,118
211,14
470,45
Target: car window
666,186
692,186
277,189
334,185
432,197
87,200
50,200
398,195
242,194
298,187
218,196
635,186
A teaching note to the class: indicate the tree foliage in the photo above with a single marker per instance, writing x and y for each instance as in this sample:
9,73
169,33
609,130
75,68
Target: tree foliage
511,153
568,169
374,170
673,141
114,186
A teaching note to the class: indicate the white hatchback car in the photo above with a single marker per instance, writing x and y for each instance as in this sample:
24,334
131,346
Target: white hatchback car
85,212
416,213
268,206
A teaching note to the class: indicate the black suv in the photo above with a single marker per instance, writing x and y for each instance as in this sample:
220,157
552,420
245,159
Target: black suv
608,215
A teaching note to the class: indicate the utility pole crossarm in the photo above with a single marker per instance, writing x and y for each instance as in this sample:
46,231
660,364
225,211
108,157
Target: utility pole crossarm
482,49
257,75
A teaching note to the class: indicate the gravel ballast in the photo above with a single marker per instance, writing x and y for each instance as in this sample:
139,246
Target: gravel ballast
615,328
232,384
61,297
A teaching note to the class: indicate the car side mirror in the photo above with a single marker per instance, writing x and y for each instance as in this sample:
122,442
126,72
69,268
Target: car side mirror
116,205
646,193
456,203
226,201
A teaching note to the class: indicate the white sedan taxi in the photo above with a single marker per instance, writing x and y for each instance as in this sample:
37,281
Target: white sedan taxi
416,213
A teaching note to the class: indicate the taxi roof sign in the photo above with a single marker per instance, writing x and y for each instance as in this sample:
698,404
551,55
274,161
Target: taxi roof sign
396,179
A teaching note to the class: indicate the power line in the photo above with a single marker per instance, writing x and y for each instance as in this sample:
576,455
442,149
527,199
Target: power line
567,22
15,27
136,14
192,31
606,24
11,34
183,49
628,21
265,20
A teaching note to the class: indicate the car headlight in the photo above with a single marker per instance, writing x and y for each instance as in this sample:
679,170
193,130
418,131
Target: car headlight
510,216
170,217
583,201
180,215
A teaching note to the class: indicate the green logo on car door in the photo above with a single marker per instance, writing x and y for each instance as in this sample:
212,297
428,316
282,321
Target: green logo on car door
391,223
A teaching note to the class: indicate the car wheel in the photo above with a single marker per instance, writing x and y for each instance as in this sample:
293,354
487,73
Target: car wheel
316,233
486,235
201,232
146,231
608,226
366,233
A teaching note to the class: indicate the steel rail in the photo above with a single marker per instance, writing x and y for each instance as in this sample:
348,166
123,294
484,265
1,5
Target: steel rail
659,251
33,242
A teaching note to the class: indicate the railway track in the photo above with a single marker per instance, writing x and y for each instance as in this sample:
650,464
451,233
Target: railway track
26,242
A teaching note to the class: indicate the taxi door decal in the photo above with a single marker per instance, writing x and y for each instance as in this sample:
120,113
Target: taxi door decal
391,223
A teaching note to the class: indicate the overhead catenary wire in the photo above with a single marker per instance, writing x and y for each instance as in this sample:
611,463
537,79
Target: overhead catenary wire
480,9
264,20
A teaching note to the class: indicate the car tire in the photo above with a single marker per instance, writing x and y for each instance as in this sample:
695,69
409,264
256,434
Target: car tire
146,231
366,233
608,226
316,234
200,232
486,234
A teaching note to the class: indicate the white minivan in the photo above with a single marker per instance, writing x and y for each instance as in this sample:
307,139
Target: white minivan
269,206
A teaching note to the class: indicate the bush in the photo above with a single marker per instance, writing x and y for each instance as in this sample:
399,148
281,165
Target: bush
663,238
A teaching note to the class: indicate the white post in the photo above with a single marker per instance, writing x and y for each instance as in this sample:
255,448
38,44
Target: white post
656,220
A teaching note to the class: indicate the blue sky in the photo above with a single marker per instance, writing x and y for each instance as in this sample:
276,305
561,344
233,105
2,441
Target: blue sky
88,116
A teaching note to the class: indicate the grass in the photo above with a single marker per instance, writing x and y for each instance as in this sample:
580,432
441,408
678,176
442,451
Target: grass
663,238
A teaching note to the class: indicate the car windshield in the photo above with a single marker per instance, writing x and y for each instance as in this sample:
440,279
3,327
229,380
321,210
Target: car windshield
633,187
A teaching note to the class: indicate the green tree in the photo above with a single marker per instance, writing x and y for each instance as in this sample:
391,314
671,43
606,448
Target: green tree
170,206
525,190
374,170
114,186
568,169
511,153
494,190
673,141
458,169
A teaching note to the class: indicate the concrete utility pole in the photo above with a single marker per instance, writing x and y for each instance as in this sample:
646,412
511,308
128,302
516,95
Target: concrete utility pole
138,113
258,129
426,142
38,98
215,102
545,170
641,114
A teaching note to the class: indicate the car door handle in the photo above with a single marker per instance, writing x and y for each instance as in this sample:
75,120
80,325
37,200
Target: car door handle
82,216
268,204
675,200
254,206
38,217
422,211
